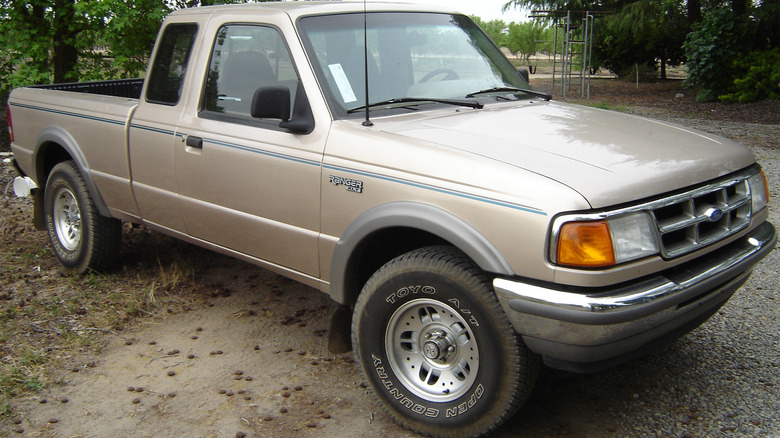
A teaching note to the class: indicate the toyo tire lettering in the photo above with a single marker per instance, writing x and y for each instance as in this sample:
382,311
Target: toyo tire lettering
441,355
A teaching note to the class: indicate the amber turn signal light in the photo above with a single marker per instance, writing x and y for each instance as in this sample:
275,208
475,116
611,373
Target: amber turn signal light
585,245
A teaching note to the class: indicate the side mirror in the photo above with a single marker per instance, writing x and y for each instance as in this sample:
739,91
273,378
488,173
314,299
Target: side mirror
523,72
274,103
271,103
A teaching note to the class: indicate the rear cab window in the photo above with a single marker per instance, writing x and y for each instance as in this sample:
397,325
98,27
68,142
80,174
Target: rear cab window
169,67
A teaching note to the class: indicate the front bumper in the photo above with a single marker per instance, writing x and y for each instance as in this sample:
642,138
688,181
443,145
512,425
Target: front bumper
587,330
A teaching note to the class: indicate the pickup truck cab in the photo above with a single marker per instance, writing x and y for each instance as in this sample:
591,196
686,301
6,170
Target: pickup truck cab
390,156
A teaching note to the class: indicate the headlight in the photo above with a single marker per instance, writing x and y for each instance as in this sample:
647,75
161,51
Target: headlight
759,191
605,242
633,237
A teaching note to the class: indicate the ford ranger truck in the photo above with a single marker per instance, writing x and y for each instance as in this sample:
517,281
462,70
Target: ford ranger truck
390,156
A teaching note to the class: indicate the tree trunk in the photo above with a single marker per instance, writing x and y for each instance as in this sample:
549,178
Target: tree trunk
64,31
694,11
739,7
663,69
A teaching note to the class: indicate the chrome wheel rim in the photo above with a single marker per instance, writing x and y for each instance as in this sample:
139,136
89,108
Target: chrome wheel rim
432,350
67,219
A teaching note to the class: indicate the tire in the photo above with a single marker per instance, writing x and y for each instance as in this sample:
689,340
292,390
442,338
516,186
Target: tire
436,348
81,238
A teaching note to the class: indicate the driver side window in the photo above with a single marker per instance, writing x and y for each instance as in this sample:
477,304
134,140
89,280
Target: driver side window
244,59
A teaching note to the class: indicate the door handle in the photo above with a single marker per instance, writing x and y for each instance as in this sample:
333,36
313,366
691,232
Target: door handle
194,142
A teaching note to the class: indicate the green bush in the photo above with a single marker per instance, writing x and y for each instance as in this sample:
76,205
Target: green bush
711,50
756,76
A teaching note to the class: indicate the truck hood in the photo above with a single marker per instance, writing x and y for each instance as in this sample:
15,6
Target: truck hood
608,157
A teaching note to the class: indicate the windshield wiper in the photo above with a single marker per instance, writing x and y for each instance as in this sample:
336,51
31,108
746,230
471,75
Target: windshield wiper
542,94
419,100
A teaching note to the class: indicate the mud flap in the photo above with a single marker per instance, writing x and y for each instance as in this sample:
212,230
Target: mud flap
340,337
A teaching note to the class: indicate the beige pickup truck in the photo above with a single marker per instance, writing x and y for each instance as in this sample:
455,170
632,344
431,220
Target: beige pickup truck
391,157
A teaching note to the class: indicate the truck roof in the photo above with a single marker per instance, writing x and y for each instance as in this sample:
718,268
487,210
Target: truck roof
299,8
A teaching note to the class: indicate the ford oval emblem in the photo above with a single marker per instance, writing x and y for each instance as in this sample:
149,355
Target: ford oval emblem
713,214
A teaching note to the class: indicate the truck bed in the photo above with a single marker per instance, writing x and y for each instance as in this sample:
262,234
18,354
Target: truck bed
88,121
130,88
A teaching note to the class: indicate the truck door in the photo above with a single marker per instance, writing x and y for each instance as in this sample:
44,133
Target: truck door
245,183
152,131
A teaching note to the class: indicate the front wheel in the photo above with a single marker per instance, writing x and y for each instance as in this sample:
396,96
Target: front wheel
437,349
81,238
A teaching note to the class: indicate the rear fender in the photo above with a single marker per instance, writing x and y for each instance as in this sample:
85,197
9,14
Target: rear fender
53,136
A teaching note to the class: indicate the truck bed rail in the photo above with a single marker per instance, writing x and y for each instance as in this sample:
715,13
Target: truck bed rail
130,88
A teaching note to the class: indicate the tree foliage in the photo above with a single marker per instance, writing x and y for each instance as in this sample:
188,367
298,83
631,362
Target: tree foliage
644,33
732,56
527,38
627,33
522,39
495,29
711,36
45,41
118,37
758,78
712,49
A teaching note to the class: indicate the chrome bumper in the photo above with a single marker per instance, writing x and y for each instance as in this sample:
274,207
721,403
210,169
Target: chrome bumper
589,330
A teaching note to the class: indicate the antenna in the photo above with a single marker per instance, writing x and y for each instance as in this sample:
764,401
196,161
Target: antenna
366,122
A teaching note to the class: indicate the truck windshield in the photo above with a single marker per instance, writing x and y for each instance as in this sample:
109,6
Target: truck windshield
410,56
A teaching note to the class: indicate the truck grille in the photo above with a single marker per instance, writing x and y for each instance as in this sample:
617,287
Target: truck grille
692,220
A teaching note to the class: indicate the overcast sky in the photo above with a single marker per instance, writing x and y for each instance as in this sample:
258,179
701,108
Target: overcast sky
485,9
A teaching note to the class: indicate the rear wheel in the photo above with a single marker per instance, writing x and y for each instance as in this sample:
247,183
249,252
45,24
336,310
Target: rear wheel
437,349
81,238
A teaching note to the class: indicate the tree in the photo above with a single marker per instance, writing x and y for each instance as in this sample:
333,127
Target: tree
43,41
732,53
627,33
24,41
495,29
63,40
527,38
646,33
711,50
64,52
118,37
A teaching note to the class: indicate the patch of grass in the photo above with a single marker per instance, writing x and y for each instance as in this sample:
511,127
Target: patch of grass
32,358
17,380
607,105
175,274
8,313
151,301
77,339
98,281
23,374
5,409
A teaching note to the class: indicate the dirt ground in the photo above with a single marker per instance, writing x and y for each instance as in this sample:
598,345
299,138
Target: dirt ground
180,341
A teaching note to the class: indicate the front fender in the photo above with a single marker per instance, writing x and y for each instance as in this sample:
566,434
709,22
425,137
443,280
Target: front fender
423,217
